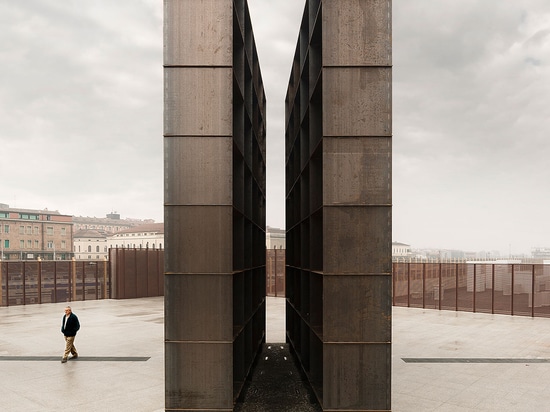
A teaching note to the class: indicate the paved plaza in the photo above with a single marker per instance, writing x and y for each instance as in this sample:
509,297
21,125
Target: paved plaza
442,361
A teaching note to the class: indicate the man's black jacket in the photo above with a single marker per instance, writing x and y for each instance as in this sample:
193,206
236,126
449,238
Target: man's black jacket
72,325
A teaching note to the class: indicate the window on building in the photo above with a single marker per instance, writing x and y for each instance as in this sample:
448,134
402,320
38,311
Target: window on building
29,244
97,248
89,248
49,230
50,244
36,230
21,244
63,231
105,249
36,244
6,244
21,230
26,216
29,230
63,245
6,228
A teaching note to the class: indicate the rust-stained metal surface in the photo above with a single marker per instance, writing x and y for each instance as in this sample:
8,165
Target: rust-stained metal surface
36,282
339,202
504,288
214,201
275,272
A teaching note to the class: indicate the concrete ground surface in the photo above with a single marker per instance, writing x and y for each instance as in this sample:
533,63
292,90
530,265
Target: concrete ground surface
442,360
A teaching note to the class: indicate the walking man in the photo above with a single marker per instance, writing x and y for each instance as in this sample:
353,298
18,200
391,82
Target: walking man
69,327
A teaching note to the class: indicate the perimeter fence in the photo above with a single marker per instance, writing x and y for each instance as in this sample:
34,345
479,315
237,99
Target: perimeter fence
128,273
508,289
33,282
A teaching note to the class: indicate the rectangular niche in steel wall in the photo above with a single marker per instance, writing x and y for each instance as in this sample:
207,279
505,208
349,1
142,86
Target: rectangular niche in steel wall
214,202
338,202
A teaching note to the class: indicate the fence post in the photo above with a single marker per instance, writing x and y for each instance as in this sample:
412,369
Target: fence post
409,284
423,285
7,284
493,288
440,286
24,283
83,280
394,268
39,283
73,279
456,285
533,291
512,289
275,273
474,289
105,276
97,281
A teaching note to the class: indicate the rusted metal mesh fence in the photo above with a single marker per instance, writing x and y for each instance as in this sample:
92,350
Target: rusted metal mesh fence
129,273
275,272
510,289
31,282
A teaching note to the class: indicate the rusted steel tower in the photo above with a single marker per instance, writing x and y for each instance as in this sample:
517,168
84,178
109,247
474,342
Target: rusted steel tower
214,197
338,194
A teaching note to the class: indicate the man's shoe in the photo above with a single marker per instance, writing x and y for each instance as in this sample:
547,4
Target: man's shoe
75,356
64,360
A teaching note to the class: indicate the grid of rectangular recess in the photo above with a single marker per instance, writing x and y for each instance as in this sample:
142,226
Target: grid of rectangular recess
338,202
214,202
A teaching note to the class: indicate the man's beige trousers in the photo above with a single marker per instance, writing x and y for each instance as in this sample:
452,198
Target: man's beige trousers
69,347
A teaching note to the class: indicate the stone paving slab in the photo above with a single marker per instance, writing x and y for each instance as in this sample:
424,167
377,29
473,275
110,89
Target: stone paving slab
113,330
79,359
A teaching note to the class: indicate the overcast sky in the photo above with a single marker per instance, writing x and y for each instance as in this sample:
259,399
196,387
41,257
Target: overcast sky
81,113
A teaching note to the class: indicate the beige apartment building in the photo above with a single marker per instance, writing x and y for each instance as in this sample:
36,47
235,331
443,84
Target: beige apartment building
27,234
90,244
149,236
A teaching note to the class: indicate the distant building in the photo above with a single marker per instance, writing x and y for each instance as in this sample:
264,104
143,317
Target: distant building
28,234
90,244
275,238
541,253
400,249
149,236
112,223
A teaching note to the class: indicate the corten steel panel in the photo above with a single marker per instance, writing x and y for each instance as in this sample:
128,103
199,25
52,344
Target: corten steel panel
199,376
357,377
198,101
141,273
185,24
203,237
199,239
359,33
357,171
198,308
154,267
130,280
199,170
356,308
357,240
357,101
